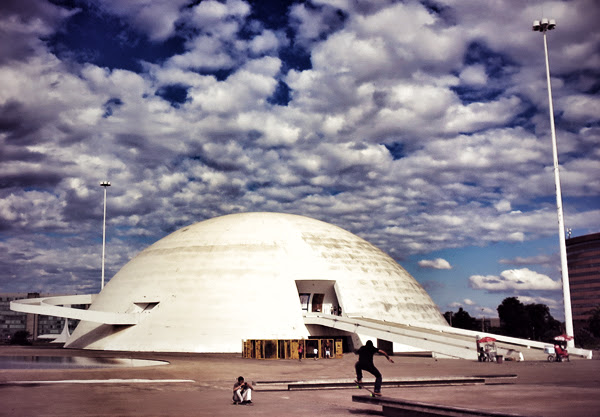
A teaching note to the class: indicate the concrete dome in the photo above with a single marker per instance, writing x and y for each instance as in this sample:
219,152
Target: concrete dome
208,286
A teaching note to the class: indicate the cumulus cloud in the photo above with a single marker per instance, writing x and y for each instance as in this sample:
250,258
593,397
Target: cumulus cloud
515,280
418,129
437,263
550,302
156,19
474,75
529,260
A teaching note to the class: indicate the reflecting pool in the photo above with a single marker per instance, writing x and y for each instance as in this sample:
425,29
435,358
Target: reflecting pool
72,362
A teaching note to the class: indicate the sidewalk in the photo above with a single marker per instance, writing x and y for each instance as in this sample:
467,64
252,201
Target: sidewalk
200,385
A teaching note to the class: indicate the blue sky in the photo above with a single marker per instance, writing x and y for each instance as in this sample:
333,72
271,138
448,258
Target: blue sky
421,126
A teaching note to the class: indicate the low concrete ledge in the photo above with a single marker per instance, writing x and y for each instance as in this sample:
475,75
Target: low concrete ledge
393,407
388,383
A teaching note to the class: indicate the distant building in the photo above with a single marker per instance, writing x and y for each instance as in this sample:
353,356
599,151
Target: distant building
35,324
583,256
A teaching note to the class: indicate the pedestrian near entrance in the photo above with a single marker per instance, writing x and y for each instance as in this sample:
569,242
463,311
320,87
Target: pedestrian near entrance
365,363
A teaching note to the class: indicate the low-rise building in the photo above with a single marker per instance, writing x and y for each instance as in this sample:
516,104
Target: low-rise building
36,325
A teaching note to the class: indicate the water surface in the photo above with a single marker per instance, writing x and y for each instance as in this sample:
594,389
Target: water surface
72,362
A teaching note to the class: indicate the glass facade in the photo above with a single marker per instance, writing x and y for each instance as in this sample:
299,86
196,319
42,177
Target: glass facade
583,256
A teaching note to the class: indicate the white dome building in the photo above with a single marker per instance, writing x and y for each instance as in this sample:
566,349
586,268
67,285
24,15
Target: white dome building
208,286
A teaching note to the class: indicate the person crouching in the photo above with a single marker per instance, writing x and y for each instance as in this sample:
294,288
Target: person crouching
242,392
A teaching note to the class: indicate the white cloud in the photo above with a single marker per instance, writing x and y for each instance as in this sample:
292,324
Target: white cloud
207,53
580,107
156,18
530,260
503,205
476,116
245,90
311,24
265,42
474,75
515,280
437,263
550,302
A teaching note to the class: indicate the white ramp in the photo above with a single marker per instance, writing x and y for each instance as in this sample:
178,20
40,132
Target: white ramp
442,340
425,339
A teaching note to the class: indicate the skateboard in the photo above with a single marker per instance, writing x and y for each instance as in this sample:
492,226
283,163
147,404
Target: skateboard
372,393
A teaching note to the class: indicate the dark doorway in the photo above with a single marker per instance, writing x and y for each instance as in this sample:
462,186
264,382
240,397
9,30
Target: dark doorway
317,303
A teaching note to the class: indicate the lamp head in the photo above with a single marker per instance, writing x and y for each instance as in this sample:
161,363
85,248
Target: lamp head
105,184
543,25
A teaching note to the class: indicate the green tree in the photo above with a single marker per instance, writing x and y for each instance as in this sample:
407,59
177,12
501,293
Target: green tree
448,316
542,325
463,320
531,321
21,337
513,318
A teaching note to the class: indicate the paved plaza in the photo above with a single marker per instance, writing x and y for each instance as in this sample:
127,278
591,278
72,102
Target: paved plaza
200,385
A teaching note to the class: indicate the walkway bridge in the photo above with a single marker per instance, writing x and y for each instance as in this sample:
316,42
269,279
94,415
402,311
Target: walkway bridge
440,340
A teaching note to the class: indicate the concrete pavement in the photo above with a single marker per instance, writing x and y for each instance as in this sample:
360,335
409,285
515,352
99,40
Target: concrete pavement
200,385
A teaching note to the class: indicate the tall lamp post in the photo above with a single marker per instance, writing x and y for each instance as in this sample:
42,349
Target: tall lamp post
104,184
543,26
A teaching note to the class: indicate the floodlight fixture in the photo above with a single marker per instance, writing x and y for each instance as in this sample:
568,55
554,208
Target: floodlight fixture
543,26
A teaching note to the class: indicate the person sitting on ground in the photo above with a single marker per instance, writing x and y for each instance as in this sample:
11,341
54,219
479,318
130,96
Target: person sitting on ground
242,392
365,363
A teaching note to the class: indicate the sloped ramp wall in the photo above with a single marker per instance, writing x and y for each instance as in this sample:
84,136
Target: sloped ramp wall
446,341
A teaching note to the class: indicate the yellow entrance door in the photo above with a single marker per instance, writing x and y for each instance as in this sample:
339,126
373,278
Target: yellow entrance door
339,348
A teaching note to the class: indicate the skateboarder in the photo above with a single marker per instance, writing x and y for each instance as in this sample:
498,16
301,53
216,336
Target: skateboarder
242,392
365,363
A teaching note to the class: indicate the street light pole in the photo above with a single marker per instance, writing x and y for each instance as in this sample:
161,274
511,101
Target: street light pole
543,26
104,184
482,320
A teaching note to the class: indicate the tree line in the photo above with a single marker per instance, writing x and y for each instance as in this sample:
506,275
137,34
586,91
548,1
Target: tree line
529,321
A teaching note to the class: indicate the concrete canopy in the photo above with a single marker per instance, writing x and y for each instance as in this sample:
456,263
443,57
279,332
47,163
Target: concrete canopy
208,286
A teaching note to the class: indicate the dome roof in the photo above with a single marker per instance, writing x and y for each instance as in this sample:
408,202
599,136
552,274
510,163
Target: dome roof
207,286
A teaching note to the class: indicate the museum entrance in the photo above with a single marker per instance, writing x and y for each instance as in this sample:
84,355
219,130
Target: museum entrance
312,348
